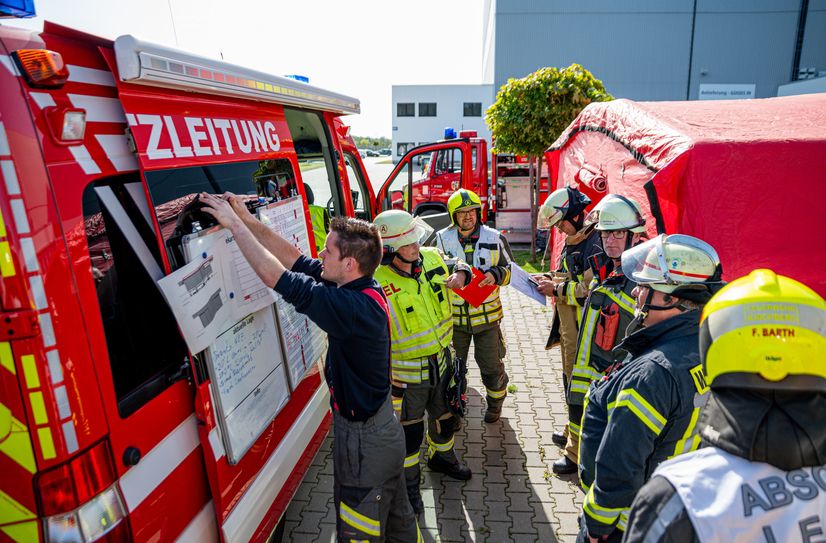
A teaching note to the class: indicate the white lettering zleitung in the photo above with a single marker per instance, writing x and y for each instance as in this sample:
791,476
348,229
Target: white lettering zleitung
223,126
196,136
152,150
272,136
246,144
177,148
205,136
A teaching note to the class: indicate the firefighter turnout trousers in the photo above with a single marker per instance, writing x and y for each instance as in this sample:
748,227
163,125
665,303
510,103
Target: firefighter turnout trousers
412,402
369,488
489,351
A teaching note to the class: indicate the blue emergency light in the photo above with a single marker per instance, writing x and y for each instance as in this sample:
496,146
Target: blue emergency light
449,133
302,78
17,8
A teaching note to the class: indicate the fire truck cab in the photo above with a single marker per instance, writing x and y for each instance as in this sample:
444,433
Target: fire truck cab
427,175
107,423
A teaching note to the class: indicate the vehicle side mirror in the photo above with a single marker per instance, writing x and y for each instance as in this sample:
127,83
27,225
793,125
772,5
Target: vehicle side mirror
396,200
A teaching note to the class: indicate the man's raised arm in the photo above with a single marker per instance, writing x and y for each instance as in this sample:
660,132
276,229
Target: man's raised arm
280,247
261,259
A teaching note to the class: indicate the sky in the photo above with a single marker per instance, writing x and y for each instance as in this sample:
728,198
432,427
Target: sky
360,48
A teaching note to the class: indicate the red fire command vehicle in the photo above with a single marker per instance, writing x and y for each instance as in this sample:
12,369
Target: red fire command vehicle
107,424
431,173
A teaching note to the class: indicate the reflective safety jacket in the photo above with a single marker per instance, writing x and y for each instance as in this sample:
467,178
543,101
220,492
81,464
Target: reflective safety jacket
575,263
320,220
420,315
608,311
490,252
713,496
638,416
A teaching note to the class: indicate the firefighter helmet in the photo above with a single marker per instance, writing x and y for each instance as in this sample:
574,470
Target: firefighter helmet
765,331
677,264
561,204
399,228
463,199
615,212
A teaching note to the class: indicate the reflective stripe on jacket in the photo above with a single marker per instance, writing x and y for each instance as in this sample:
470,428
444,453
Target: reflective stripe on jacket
420,316
488,252
642,414
608,311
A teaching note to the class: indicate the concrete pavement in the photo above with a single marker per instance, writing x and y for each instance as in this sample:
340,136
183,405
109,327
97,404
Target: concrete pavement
513,495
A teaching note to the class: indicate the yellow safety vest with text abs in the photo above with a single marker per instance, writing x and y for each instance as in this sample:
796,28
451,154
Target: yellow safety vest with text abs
420,315
486,253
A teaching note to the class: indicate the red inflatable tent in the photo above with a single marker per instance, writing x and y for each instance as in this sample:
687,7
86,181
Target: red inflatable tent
749,177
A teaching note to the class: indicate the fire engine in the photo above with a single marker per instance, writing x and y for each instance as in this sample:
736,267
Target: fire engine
510,180
108,425
427,175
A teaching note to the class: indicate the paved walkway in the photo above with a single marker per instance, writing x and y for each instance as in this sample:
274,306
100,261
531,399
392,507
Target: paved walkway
513,495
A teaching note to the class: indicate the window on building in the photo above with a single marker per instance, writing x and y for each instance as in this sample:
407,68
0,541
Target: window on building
473,109
406,109
403,147
427,109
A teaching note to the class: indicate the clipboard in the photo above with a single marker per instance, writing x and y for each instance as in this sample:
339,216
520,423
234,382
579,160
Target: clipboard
472,293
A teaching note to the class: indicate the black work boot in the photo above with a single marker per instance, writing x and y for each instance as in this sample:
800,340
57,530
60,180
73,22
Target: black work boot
494,410
454,468
559,439
564,466
415,498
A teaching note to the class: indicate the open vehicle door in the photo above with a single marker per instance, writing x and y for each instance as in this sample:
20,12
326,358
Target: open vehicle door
437,168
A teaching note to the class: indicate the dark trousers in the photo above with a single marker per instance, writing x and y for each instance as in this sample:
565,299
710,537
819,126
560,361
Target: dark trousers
368,480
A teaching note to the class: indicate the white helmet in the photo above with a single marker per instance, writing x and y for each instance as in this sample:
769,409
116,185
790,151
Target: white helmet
399,228
561,204
616,212
675,264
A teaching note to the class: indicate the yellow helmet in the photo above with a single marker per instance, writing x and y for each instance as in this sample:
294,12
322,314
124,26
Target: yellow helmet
399,228
616,212
765,331
561,204
463,199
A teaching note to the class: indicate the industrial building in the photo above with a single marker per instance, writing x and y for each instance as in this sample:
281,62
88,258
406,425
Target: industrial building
640,49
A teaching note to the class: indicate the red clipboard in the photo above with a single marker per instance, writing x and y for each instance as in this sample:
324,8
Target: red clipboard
473,293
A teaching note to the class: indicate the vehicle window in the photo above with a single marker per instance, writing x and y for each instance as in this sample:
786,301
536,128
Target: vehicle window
448,161
412,176
357,188
174,193
319,170
145,348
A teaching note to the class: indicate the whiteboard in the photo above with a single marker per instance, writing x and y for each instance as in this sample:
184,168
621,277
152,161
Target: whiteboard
246,368
304,342
245,362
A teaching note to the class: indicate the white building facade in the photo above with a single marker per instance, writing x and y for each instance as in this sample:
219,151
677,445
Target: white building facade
422,112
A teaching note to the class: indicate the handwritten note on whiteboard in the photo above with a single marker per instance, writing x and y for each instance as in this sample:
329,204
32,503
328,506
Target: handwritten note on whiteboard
304,342
246,367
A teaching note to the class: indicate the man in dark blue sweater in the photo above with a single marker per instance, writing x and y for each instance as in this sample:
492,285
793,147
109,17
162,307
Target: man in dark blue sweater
340,295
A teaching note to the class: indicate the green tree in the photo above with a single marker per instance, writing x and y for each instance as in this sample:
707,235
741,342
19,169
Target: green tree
530,113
